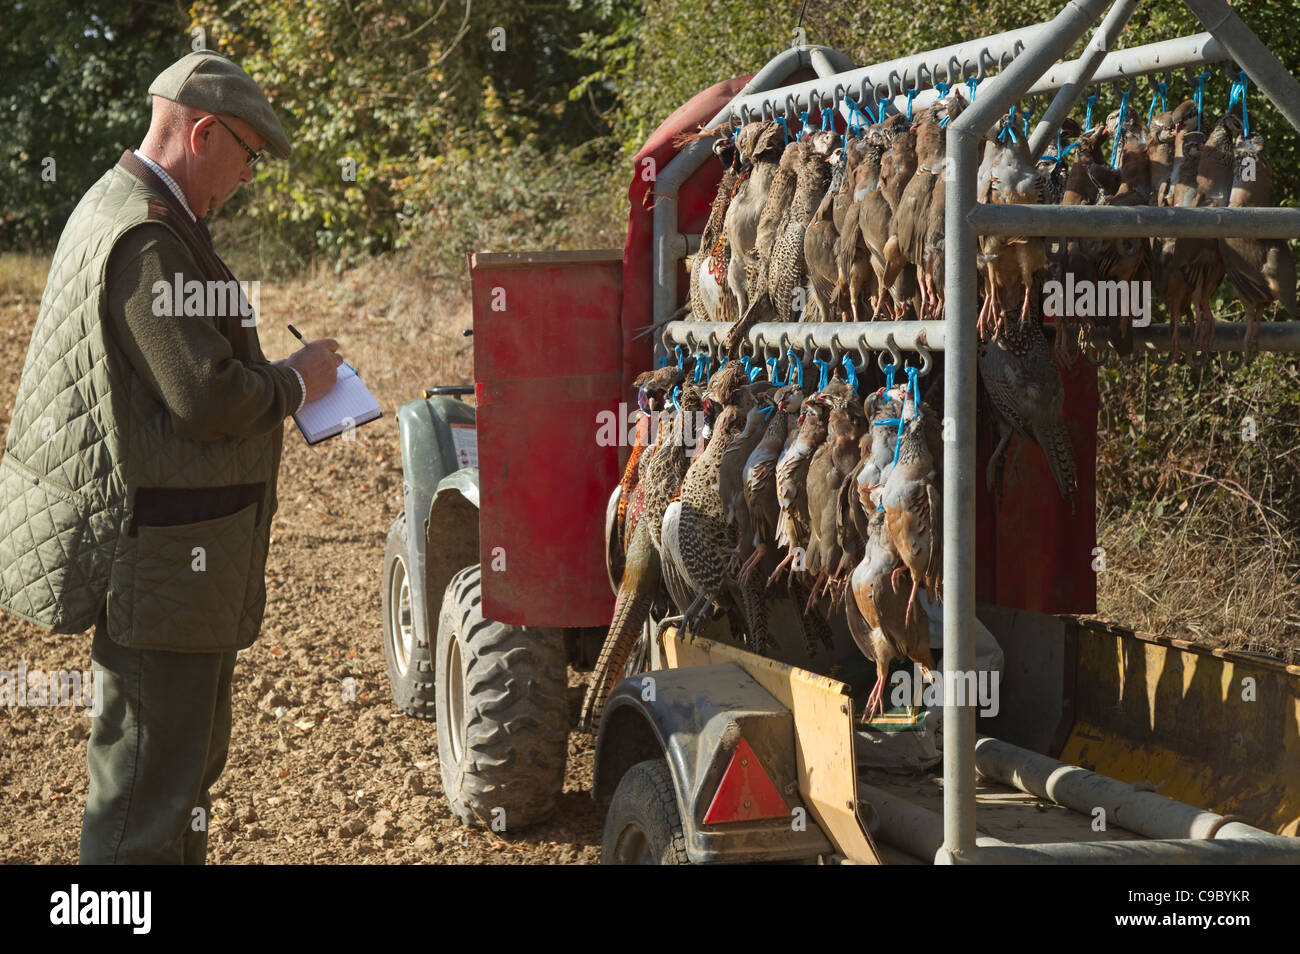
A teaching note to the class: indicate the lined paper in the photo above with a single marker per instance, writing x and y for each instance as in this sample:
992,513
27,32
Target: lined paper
348,404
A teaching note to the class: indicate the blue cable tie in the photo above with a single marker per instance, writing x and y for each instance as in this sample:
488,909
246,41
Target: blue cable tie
676,397
1238,92
823,367
785,130
772,374
970,85
681,357
1087,116
850,372
803,125
827,113
1164,88
1119,129
911,95
1200,97
1027,113
767,411
889,376
943,89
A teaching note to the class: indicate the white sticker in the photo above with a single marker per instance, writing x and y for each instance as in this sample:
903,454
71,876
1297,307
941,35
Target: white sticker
465,439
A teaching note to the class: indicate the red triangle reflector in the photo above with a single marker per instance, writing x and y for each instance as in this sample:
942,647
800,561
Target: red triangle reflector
745,793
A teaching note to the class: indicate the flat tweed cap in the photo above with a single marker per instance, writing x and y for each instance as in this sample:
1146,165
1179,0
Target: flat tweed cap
210,81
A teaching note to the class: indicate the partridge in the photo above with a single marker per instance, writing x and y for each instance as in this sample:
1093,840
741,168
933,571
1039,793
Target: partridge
878,613
914,510
829,466
759,475
1262,271
791,483
1172,255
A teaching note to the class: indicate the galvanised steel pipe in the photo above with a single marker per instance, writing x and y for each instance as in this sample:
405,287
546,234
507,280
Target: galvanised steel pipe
895,77
1279,336
1100,221
846,335
1102,41
1167,55
1179,53
1190,851
959,471
909,827
1141,812
1263,68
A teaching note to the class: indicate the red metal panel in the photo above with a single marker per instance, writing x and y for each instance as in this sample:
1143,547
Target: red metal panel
547,360
1042,554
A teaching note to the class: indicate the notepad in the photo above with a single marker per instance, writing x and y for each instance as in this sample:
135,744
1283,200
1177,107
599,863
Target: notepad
347,405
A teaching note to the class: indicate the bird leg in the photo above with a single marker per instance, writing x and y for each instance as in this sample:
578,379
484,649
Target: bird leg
786,561
875,700
813,594
911,603
747,570
893,578
1251,347
1204,326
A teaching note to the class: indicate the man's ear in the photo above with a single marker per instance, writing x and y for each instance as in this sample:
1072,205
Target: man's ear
200,130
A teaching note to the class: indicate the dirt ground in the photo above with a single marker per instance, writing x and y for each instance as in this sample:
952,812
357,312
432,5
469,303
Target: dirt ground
311,778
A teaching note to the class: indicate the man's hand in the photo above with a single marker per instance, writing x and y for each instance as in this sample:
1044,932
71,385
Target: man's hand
318,364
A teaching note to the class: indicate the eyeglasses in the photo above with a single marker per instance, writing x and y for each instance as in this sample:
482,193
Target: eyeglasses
253,157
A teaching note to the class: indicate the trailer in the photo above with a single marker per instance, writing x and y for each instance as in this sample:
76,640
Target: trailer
1048,738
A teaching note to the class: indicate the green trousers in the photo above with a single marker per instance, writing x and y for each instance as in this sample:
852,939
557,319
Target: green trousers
157,746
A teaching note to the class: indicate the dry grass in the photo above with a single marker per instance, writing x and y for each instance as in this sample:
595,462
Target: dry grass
398,324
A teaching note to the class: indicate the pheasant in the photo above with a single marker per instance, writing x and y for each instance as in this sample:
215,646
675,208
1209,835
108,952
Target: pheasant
1261,270
653,390
1028,397
890,632
704,537
914,511
760,146
787,267
643,569
708,268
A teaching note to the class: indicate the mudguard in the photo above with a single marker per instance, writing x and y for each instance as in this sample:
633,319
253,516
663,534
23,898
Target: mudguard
696,717
429,428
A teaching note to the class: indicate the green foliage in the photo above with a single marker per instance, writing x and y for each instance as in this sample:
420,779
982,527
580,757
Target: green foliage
72,88
456,115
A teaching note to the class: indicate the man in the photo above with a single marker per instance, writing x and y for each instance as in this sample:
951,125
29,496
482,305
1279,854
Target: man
139,476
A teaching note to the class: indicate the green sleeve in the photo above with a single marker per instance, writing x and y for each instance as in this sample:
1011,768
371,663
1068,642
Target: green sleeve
186,361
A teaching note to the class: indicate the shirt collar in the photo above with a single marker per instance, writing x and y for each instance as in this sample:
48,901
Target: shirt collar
168,181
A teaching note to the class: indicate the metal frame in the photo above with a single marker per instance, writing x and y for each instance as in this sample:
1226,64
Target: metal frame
1031,59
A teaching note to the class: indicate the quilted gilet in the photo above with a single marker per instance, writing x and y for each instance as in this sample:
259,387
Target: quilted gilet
89,443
